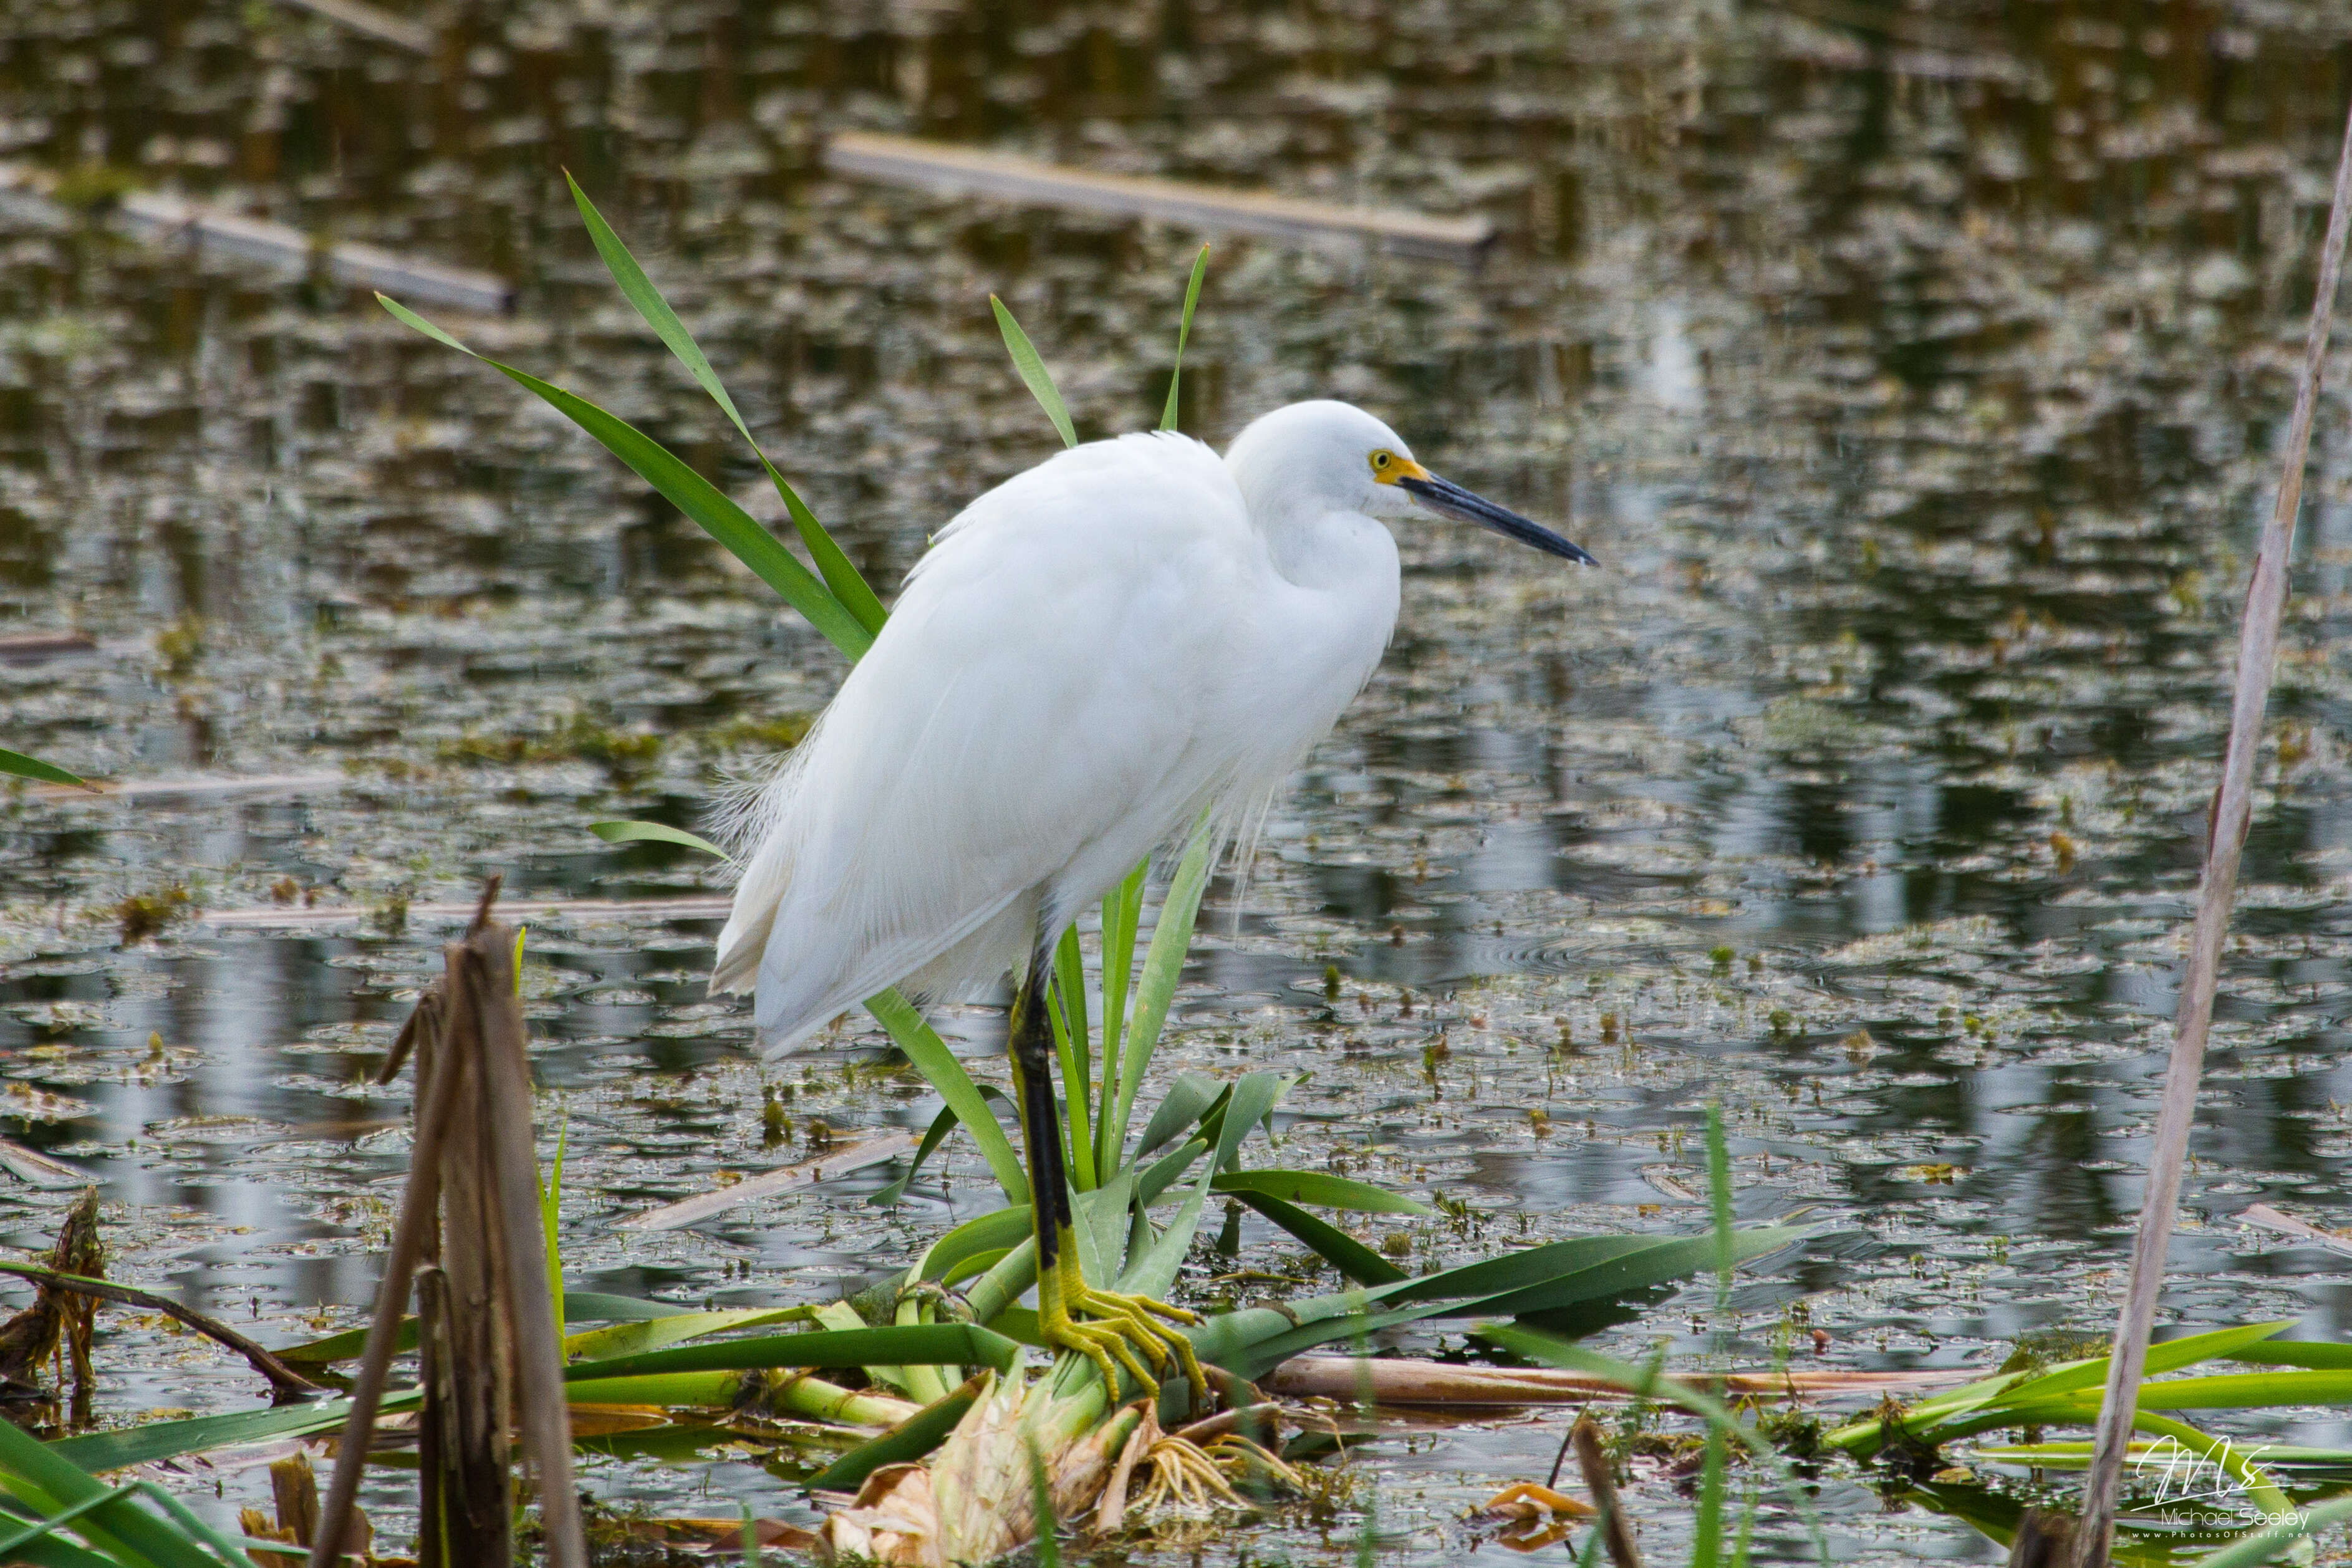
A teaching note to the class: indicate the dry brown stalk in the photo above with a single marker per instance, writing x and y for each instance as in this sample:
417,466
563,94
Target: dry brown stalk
411,1240
1403,1381
2233,807
467,1362
57,1315
1616,1530
485,1320
537,1349
283,1379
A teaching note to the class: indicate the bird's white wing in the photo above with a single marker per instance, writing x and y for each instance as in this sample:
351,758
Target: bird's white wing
1034,718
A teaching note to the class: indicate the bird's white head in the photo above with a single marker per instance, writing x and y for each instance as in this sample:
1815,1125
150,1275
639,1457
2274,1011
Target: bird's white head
1325,457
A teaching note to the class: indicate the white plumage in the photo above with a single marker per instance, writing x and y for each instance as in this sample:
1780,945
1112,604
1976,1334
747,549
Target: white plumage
1088,655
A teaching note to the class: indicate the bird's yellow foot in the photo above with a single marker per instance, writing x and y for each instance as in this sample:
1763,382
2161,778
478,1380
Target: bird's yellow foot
1119,1324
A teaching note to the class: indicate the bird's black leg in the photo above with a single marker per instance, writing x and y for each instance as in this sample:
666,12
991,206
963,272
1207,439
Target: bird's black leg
1124,1323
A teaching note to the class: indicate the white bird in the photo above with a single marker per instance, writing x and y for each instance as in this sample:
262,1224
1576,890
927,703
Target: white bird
1090,655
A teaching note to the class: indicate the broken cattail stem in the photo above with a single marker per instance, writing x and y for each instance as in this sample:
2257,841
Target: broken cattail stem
417,1214
514,1170
283,1379
2225,838
470,1363
1616,1530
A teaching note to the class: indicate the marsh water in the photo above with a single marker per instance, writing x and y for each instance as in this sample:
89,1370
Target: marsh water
1916,374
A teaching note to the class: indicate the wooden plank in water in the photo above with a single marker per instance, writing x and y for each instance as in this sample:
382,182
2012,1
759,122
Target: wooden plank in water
199,785
155,216
38,647
808,1173
940,166
370,22
291,917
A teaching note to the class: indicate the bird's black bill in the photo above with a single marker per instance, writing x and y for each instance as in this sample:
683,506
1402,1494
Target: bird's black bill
1448,499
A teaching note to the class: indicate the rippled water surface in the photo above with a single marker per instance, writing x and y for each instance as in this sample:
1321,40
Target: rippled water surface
1915,373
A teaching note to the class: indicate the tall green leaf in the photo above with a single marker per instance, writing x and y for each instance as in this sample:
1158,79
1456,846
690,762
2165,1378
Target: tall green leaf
932,1345
1122,912
24,766
941,1125
946,1075
1163,966
687,491
46,1482
1330,1243
1183,334
1320,1188
1039,380
655,833
848,584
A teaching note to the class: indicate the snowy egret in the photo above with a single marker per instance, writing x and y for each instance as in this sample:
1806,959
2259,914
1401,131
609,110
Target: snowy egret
1090,655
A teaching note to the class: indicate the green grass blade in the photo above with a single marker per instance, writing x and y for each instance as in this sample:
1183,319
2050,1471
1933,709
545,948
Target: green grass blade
941,1125
946,1075
1163,966
49,1483
687,491
660,1333
640,292
1034,373
929,1344
1330,1243
550,1199
1183,334
1189,1100
1122,910
2316,1353
1319,1189
654,833
1706,1545
1065,1005
907,1441
1254,1095
847,585
157,1440
994,1231
1718,1186
2169,1356
24,767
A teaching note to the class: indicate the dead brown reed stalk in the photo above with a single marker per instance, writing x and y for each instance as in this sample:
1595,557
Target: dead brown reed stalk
469,1240
59,1317
1616,1530
2225,838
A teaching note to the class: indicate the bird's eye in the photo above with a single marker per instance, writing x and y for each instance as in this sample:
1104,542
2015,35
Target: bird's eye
1380,460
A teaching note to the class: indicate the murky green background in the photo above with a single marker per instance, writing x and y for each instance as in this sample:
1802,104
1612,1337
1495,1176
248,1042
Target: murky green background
1915,372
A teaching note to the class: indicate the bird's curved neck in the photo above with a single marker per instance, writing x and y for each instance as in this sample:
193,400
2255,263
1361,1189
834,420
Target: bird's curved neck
1314,544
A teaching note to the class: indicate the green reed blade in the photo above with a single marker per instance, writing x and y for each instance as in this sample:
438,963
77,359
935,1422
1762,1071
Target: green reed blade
687,491
655,833
1122,910
1183,333
1163,966
948,1079
1034,373
24,767
846,583
1322,1189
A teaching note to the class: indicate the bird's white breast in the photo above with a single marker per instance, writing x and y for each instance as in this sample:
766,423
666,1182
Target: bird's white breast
1089,654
